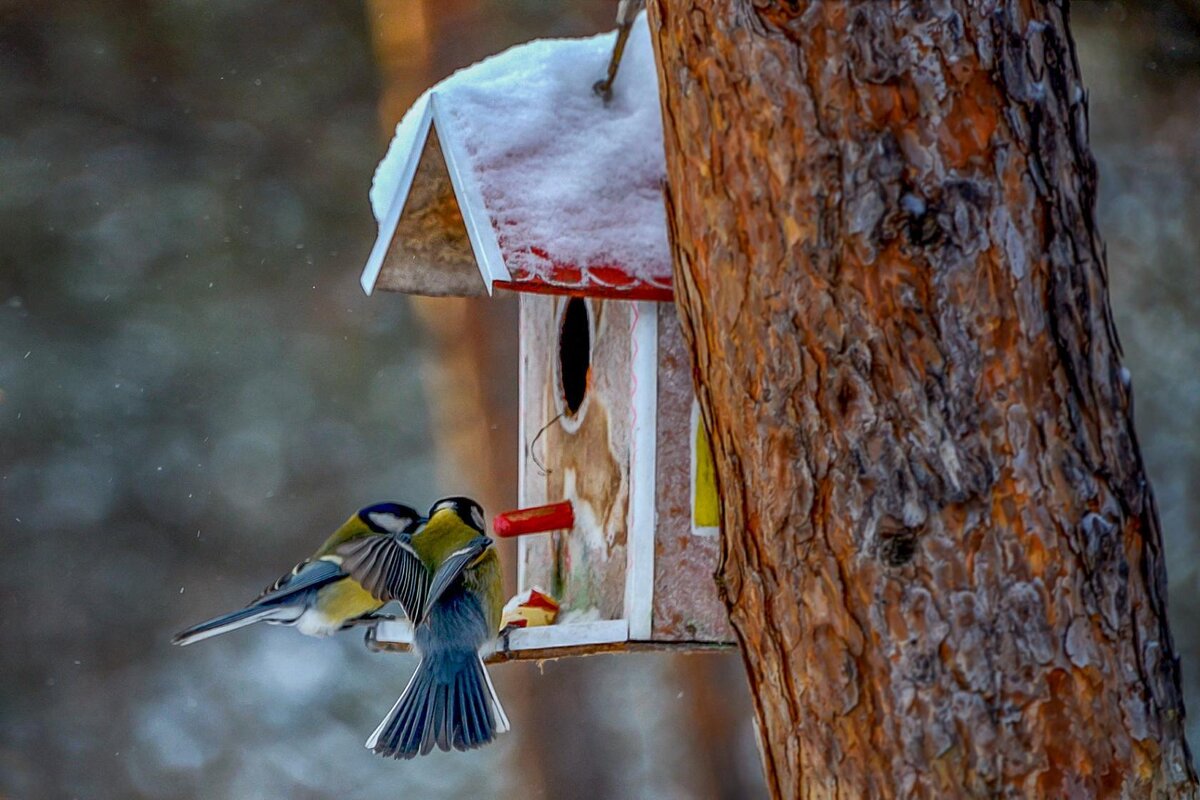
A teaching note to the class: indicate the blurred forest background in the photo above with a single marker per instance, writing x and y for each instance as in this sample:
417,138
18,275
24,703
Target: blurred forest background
194,391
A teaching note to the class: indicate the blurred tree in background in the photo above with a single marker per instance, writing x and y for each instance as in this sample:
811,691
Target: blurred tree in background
193,390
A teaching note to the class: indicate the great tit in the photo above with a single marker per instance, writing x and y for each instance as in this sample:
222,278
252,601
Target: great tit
362,565
450,700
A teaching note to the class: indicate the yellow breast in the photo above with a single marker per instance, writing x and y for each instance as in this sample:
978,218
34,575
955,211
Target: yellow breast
345,600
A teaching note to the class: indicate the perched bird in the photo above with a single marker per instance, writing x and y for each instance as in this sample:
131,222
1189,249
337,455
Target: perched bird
450,700
360,567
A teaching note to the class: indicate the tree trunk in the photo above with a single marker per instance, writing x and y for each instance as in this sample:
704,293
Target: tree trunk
940,553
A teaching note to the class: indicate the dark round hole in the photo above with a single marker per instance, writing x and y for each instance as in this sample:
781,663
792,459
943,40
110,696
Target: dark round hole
898,549
574,353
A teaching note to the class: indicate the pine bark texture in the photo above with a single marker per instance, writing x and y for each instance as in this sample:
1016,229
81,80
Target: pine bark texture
940,553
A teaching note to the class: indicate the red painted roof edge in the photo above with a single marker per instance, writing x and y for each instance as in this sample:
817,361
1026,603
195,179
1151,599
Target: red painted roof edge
637,291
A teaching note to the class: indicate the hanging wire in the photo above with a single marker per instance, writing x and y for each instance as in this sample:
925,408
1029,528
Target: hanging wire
542,471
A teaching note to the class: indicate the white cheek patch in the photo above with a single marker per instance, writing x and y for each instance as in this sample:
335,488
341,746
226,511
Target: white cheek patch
389,522
477,515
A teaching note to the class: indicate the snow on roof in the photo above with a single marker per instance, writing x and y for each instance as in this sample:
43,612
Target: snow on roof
563,189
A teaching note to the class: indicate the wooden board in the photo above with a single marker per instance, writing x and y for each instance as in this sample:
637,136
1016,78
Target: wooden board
582,457
430,252
686,605
526,651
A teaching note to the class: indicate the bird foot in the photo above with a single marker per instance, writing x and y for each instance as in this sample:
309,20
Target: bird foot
370,620
370,641
505,645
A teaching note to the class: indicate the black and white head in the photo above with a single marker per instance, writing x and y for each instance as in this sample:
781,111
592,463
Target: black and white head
467,510
391,518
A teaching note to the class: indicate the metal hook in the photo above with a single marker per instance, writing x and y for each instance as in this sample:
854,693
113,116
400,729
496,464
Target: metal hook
529,450
626,11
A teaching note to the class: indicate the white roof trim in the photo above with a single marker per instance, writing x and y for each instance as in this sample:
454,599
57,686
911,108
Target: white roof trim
470,199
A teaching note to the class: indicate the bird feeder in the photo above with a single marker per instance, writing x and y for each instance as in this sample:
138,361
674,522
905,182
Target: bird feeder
513,175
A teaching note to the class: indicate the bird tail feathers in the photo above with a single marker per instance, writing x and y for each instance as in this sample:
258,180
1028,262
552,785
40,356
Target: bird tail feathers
449,702
231,622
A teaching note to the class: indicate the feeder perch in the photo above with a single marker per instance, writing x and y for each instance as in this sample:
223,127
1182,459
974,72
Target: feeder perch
512,174
541,519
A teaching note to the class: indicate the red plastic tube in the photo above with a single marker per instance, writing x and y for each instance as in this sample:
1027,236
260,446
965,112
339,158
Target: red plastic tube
539,519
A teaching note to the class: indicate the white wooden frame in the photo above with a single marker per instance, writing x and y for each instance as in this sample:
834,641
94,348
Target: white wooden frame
639,566
572,634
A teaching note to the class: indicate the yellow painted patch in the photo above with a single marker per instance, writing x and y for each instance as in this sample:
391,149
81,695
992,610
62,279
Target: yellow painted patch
706,511
345,600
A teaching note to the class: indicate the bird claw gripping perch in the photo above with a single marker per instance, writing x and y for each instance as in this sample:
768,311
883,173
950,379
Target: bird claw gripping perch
370,640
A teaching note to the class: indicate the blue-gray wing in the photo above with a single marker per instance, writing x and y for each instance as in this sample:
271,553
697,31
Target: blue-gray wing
388,568
305,575
452,568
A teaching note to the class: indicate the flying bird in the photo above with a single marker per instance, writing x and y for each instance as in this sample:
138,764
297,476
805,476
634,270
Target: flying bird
450,701
365,563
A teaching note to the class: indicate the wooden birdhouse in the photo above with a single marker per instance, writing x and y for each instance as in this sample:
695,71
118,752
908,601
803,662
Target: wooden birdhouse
513,175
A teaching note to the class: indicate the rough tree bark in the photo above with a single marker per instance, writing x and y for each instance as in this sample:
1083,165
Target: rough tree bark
941,553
